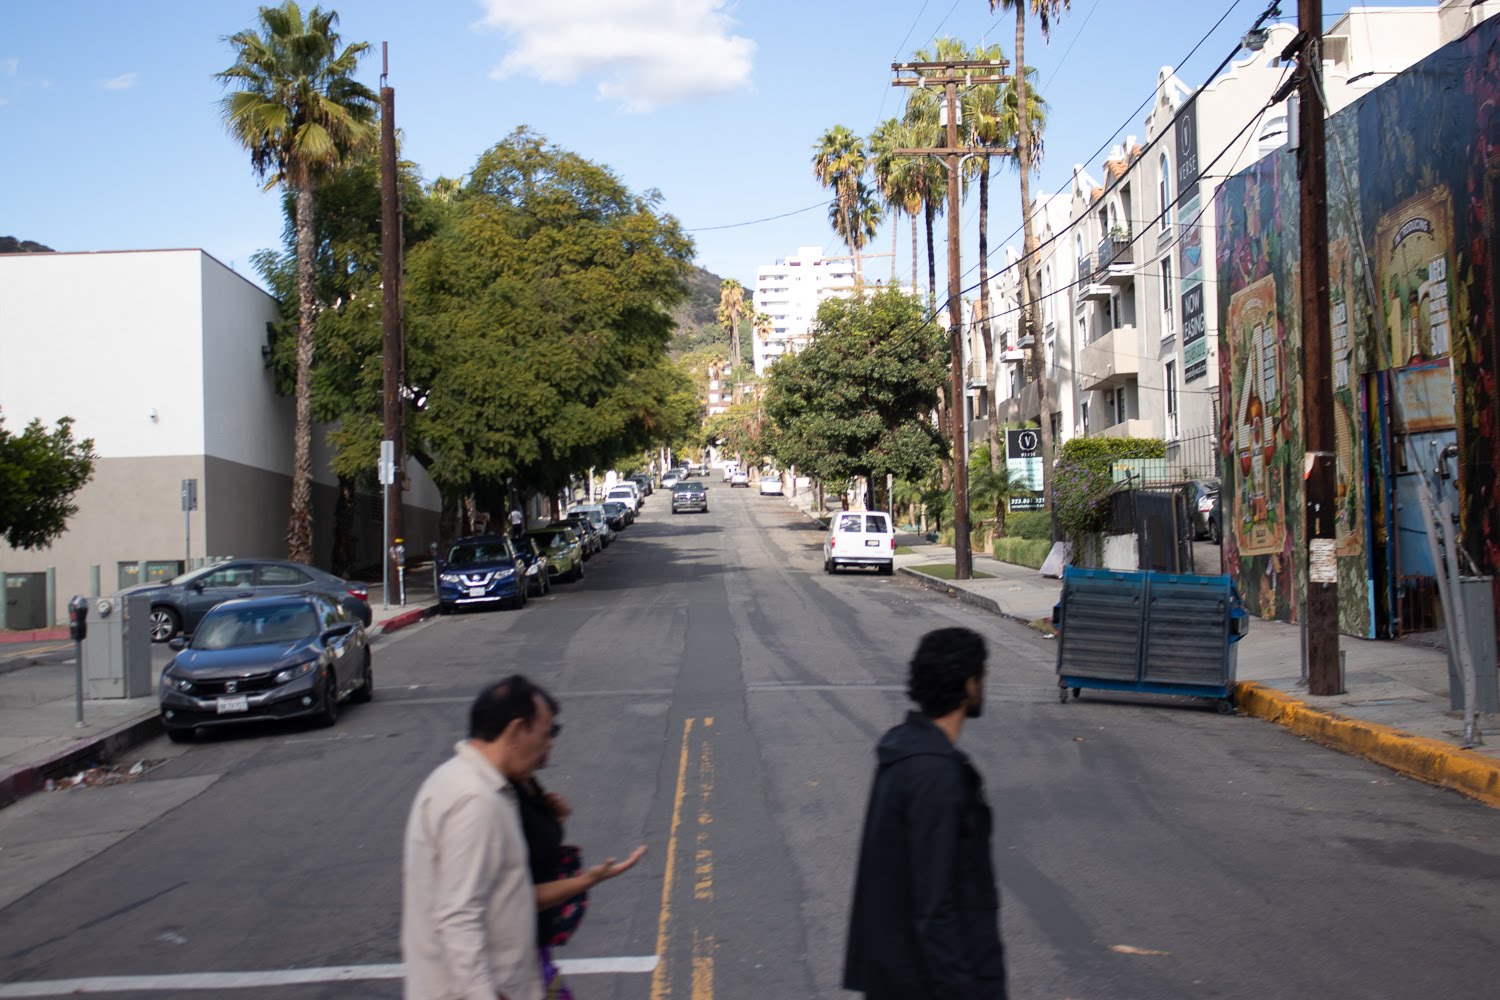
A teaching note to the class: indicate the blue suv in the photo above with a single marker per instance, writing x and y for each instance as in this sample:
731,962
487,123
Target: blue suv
485,569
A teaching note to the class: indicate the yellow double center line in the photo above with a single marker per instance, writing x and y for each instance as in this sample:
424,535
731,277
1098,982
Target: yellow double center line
701,968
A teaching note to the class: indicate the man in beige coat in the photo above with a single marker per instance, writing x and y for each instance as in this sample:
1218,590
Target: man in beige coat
468,915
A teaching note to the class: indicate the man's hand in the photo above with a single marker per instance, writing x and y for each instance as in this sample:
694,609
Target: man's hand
610,868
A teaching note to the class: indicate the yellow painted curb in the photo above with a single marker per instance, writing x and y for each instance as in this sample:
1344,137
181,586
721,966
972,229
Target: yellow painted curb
1430,760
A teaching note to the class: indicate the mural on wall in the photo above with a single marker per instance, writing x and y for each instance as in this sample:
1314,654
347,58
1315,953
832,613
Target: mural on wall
1414,212
1260,437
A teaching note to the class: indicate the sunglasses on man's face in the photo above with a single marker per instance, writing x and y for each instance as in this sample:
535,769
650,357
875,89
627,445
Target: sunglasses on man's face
556,728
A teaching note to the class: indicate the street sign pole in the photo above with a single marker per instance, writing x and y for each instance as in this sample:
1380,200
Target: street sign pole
189,504
387,476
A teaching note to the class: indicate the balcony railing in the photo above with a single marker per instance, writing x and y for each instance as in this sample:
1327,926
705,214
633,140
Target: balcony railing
1115,251
974,374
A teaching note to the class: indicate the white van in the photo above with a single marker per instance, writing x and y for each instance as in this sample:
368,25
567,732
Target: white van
627,493
860,538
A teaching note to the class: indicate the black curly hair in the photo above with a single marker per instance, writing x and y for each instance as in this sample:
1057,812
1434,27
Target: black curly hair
941,667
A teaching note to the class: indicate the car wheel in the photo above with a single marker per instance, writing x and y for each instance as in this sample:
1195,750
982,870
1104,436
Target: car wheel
445,609
165,623
181,735
1214,533
366,689
887,569
577,571
328,714
828,565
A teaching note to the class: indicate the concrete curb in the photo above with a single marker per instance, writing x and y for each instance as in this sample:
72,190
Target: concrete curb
397,622
961,595
20,782
1416,756
34,635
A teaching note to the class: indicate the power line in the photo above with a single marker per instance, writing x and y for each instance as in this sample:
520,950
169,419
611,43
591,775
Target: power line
769,218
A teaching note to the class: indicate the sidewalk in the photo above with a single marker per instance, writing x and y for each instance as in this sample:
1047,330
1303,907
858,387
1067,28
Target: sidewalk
38,736
1394,710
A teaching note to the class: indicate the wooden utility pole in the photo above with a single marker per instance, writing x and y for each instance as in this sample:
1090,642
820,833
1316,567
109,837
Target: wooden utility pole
949,74
1320,467
392,349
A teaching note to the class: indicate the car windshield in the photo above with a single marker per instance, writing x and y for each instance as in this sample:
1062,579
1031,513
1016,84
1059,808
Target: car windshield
621,492
227,626
614,508
190,576
474,552
689,487
551,539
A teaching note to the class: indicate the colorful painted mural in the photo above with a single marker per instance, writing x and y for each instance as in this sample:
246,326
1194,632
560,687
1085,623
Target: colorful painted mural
1413,214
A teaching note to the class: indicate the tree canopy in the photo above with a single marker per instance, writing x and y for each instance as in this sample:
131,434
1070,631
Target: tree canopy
853,403
40,473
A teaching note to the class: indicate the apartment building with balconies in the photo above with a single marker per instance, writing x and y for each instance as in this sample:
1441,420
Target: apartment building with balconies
1126,263
789,293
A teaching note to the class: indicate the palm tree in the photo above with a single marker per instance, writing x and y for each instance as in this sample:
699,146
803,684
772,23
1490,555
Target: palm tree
897,180
922,114
1045,11
762,325
858,224
295,105
990,116
731,310
839,161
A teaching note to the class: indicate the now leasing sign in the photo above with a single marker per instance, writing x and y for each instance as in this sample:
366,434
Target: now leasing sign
1194,335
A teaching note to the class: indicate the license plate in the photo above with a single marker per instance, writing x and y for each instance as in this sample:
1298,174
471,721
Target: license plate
239,703
873,543
476,591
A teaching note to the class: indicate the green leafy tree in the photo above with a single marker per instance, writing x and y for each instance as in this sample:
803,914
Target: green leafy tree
539,319
852,403
40,473
346,375
295,106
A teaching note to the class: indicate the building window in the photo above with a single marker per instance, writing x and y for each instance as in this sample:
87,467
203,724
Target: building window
1165,188
1171,400
1083,415
1051,348
1168,314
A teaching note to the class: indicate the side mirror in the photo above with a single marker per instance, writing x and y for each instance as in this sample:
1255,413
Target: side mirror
197,586
177,644
337,631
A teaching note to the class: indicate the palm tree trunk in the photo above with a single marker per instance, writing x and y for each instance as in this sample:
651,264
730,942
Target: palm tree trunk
342,561
915,254
984,307
894,235
931,260
299,531
1030,293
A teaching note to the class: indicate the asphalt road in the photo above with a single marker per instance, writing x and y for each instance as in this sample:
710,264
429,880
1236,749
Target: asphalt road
721,697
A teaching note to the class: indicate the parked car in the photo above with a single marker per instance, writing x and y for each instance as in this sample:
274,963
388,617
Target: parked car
587,534
179,604
538,581
860,538
285,656
564,551
643,481
1203,500
1216,522
670,478
484,569
595,513
770,484
730,468
690,495
739,478
617,514
626,495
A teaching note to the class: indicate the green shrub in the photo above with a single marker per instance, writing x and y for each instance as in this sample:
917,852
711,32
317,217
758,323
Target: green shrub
1032,524
1083,478
1023,551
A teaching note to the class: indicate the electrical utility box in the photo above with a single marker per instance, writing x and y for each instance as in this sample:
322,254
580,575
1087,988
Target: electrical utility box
1477,593
117,652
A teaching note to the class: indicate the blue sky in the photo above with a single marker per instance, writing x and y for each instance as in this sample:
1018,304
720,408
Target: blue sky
112,140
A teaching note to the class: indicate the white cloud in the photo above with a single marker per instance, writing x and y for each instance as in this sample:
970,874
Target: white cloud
645,53
122,82
9,67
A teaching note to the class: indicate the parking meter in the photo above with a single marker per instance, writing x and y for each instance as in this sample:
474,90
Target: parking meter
78,630
398,556
78,618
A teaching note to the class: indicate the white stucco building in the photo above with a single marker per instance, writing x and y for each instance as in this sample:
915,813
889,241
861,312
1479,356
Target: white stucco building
157,357
1126,266
789,292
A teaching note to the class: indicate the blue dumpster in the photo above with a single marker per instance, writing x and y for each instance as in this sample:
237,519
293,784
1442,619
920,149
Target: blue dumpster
1157,633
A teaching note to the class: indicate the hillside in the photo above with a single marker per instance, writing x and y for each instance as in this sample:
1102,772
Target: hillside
9,244
698,318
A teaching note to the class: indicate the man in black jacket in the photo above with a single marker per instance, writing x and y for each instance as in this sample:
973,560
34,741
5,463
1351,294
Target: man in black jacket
926,918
